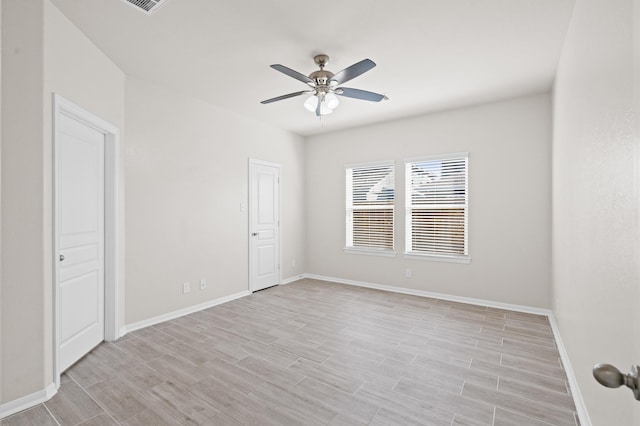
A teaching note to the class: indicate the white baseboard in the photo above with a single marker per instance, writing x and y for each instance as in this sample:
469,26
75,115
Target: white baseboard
581,408
441,296
122,331
564,356
292,279
182,312
27,401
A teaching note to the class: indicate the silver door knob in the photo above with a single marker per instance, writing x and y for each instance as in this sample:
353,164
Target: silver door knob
61,257
255,234
609,376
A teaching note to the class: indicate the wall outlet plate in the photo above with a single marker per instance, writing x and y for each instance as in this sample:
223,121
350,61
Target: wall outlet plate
203,284
186,288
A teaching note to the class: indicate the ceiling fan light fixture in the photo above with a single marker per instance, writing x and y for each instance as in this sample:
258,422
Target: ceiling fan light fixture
311,103
324,109
331,100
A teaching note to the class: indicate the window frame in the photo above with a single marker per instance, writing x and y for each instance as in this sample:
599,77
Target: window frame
350,208
409,207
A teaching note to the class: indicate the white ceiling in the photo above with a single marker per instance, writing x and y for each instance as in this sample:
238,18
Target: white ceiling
430,54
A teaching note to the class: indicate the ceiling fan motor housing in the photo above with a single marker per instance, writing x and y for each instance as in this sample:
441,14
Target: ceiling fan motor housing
321,77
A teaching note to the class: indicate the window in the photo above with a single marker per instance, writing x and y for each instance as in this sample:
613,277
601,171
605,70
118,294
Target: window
437,207
370,200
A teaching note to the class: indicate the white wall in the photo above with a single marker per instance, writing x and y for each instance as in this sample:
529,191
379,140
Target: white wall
509,145
42,53
596,232
187,169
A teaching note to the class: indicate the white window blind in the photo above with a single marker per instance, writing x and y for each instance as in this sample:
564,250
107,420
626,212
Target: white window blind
437,206
370,201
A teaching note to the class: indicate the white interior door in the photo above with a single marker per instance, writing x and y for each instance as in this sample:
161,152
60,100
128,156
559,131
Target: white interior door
80,226
264,224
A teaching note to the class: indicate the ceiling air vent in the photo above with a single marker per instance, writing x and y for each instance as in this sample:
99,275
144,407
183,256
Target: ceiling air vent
147,6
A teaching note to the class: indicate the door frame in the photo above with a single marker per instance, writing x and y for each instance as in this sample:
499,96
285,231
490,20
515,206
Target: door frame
62,106
252,163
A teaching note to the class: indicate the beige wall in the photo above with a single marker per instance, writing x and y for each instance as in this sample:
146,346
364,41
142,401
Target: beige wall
1,203
187,169
43,53
81,73
596,233
23,311
509,145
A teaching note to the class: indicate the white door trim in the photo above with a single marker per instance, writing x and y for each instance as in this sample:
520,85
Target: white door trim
62,106
253,162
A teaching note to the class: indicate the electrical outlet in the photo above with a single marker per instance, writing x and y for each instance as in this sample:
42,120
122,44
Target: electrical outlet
293,263
203,284
186,288
407,273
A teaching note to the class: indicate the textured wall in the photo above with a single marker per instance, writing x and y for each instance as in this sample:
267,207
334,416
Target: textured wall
596,199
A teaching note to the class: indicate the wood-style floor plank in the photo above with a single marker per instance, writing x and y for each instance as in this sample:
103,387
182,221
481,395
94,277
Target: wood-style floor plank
321,353
36,416
72,405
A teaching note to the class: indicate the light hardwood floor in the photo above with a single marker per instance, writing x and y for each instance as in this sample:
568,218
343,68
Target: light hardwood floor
321,353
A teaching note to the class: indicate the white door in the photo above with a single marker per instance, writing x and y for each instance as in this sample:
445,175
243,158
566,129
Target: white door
80,226
264,224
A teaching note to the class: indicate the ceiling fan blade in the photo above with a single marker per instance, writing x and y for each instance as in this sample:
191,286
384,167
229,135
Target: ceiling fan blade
287,96
353,71
360,94
291,73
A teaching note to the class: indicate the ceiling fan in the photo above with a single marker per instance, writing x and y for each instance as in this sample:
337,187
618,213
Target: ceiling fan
324,85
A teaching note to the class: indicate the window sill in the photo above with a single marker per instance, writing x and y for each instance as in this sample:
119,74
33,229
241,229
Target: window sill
450,259
383,253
